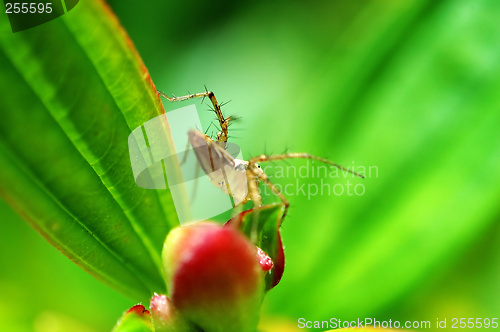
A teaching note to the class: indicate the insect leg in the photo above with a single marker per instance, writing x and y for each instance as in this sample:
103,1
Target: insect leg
262,176
264,157
223,122
186,152
253,193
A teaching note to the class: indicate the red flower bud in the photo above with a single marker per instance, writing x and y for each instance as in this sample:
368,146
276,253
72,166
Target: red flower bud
214,277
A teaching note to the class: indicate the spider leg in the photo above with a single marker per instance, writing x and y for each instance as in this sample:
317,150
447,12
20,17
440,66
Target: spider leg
186,152
263,176
195,184
282,156
253,194
223,122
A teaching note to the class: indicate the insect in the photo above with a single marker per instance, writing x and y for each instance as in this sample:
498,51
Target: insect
236,177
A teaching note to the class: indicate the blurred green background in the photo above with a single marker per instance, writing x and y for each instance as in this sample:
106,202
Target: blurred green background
409,87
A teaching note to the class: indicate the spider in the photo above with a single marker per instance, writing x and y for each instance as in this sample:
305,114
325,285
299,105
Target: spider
236,177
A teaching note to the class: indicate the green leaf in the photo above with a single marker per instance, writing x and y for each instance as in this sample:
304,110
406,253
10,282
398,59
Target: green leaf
77,90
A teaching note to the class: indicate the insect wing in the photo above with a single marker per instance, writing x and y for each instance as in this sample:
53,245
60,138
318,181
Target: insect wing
237,179
210,155
219,165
